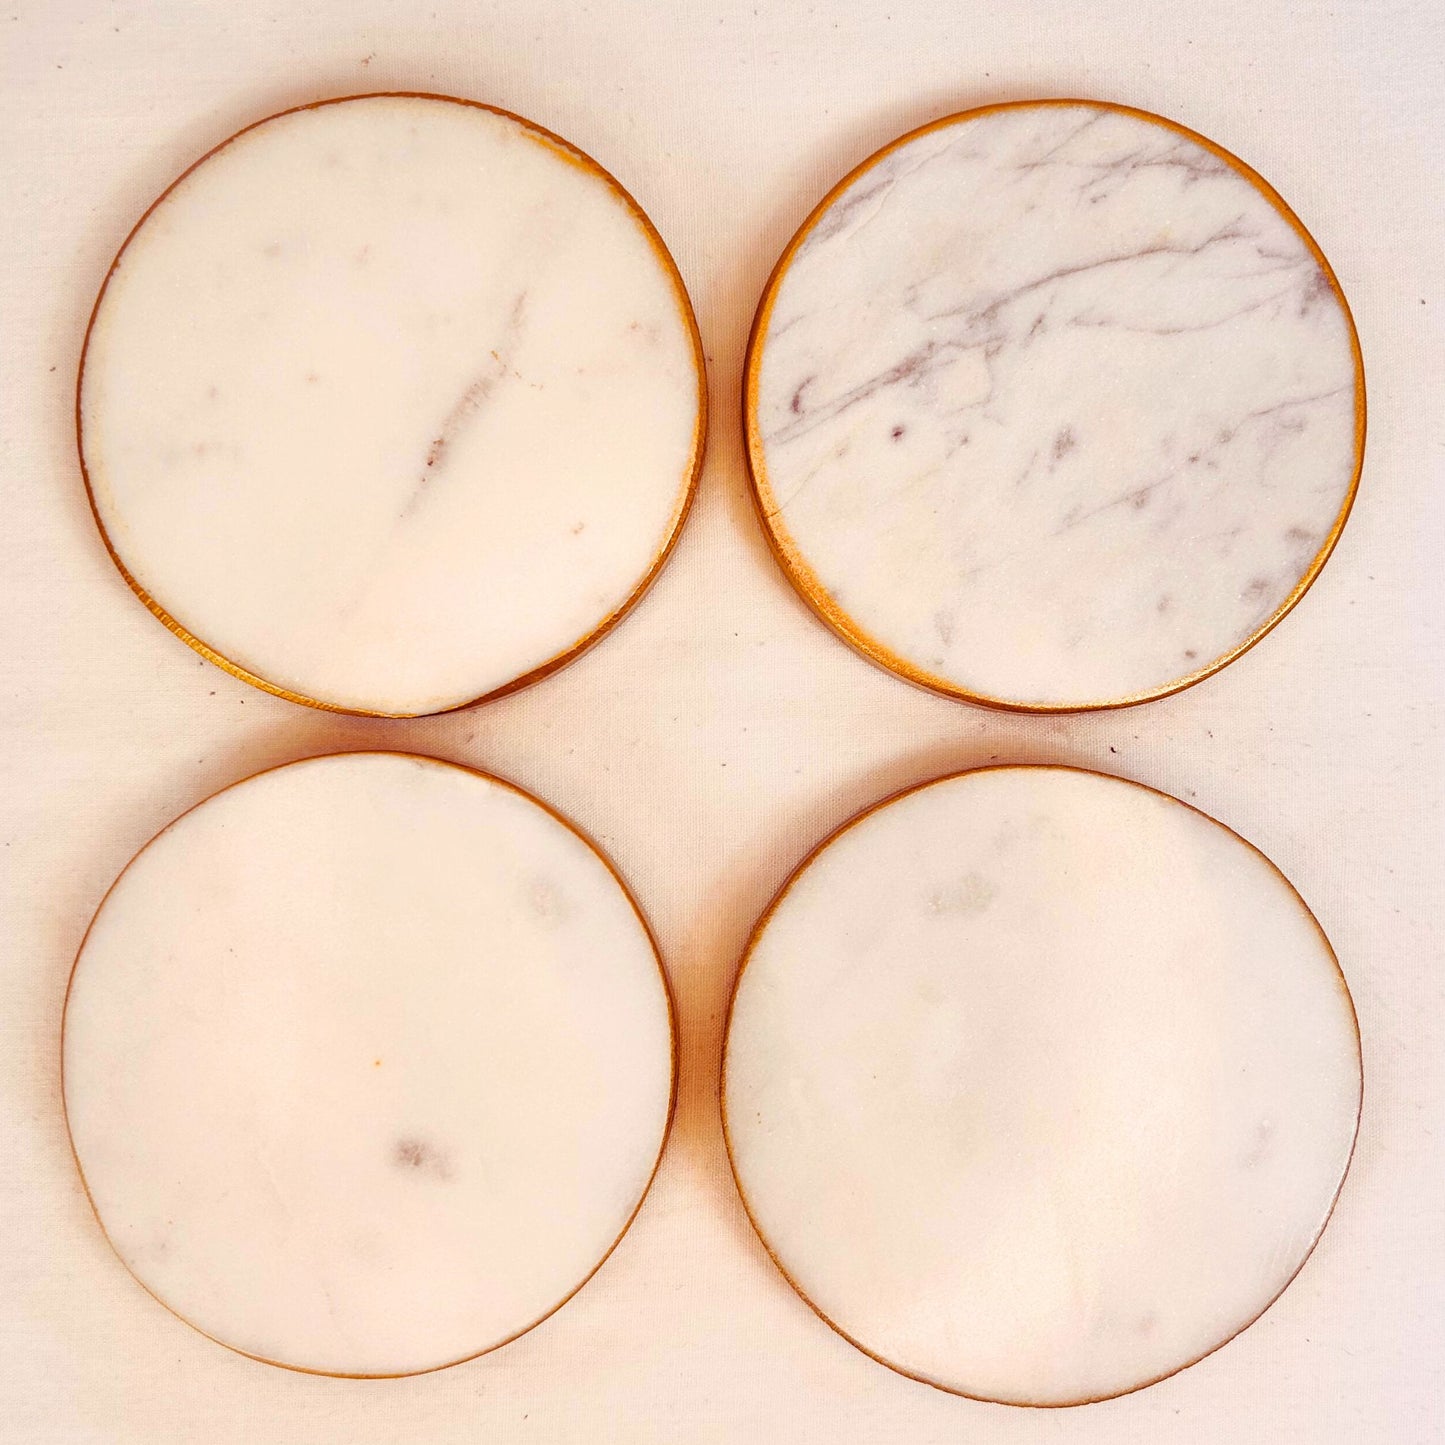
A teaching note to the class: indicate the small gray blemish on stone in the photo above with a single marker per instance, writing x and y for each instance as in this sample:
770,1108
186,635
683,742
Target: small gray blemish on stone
970,895
414,1155
547,902
1261,1147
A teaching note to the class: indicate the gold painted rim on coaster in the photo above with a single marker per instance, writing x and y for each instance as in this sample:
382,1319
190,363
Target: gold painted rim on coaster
805,580
692,470
599,852
761,926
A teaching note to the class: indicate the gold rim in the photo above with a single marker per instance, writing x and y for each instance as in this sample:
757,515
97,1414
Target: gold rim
598,851
691,472
805,580
766,917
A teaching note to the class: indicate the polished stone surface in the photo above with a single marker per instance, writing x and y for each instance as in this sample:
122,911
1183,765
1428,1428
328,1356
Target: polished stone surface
391,402
1040,1085
368,1063
1053,406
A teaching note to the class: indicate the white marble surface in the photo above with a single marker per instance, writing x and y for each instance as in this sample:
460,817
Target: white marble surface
721,731
368,1062
1054,405
391,402
1040,1085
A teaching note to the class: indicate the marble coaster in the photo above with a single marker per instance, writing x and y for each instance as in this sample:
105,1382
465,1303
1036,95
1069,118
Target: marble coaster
368,1063
1039,1085
1053,405
392,403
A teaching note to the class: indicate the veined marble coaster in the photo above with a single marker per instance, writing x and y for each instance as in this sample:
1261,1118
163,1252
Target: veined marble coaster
1039,1085
368,1064
392,403
1053,405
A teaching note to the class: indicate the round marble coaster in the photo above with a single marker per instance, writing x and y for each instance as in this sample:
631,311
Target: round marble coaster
1039,1085
392,403
1053,405
367,1064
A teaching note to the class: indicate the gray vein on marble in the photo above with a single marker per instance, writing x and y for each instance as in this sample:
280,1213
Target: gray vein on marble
497,369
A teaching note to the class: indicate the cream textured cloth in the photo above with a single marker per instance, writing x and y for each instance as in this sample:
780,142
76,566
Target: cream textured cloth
720,730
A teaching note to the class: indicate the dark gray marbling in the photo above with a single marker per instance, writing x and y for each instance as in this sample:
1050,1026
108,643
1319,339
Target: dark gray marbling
1056,405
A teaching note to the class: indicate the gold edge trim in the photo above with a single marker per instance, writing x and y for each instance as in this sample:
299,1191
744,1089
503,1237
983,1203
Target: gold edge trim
673,1067
805,580
692,470
760,927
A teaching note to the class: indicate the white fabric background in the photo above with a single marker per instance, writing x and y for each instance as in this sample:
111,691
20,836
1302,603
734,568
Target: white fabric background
721,730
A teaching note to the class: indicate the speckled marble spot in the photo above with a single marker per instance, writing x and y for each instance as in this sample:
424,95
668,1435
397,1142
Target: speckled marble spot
391,402
342,1098
1053,406
1040,1085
